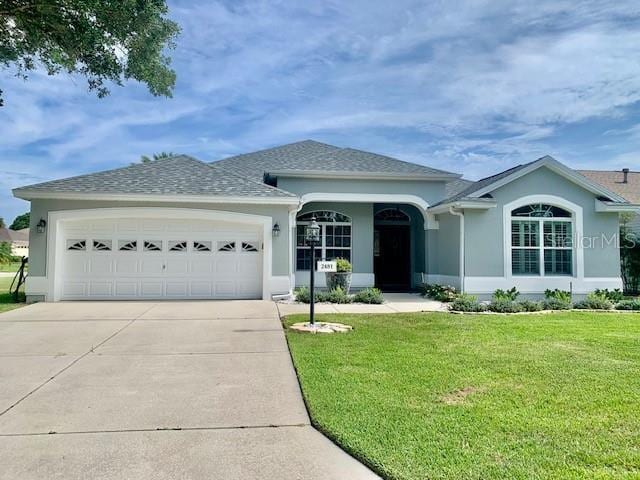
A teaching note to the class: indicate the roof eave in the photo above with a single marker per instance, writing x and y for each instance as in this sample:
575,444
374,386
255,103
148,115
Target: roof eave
26,194
462,205
362,175
617,207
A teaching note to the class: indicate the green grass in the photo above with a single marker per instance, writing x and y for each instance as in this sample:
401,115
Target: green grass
9,267
422,396
6,300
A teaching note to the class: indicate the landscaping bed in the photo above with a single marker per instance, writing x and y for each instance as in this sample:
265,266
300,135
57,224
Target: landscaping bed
468,396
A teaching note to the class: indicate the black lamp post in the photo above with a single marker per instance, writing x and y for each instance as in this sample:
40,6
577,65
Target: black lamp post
312,237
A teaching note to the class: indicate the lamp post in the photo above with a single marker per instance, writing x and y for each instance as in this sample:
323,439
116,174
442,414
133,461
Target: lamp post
312,237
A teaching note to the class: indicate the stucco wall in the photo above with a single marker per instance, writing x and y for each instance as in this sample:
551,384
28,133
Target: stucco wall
484,238
41,208
444,246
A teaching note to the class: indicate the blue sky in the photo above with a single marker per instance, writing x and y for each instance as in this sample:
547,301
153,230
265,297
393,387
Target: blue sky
472,87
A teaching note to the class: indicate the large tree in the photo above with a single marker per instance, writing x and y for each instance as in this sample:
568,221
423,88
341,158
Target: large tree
156,156
20,222
103,40
2,224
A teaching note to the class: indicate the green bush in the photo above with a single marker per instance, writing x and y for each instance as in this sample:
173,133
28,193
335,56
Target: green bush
343,265
504,305
510,295
629,304
466,303
441,293
369,295
303,295
338,295
611,295
561,295
530,305
5,253
552,303
594,301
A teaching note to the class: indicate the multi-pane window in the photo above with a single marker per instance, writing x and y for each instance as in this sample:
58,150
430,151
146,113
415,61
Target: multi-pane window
541,240
335,238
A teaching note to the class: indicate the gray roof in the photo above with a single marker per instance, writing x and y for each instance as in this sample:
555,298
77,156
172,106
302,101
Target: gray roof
178,175
311,156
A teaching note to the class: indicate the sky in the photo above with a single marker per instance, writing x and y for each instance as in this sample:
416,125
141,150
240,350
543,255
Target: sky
472,87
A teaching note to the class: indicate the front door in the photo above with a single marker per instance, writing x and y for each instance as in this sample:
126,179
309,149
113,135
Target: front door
392,258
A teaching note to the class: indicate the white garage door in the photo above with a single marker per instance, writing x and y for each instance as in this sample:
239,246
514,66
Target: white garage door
160,258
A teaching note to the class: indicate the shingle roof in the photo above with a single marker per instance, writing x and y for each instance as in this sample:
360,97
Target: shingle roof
613,181
178,175
312,156
14,236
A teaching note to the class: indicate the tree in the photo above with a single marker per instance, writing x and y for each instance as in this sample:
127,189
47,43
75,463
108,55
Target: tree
5,253
102,40
2,224
156,156
20,222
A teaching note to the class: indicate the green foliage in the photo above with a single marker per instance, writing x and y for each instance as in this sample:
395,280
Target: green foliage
5,253
557,294
343,265
103,40
441,293
629,257
595,301
2,224
504,305
467,303
556,303
156,156
629,304
614,296
530,305
510,295
369,295
20,222
338,295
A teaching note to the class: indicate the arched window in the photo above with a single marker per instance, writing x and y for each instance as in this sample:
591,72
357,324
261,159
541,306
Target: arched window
335,236
542,240
392,215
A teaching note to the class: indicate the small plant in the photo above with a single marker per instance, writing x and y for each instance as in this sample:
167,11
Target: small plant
510,295
530,305
343,265
504,305
338,295
553,303
369,295
595,301
557,294
466,303
614,296
628,304
441,293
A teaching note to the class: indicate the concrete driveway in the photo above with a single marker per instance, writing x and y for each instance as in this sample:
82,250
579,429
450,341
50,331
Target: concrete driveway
166,390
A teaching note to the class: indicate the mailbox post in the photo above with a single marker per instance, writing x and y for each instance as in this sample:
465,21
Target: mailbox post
312,237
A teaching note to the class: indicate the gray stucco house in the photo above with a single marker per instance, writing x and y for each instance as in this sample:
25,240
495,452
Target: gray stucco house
183,229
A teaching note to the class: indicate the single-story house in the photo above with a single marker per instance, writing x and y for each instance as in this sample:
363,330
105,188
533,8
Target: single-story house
625,183
180,228
19,240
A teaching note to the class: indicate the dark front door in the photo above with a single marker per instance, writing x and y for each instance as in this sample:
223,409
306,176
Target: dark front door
392,258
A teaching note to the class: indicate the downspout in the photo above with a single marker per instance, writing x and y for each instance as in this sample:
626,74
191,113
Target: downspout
462,271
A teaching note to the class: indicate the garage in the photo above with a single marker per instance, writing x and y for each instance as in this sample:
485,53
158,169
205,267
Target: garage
159,258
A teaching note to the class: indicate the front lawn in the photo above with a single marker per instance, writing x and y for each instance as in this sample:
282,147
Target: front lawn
9,267
419,396
7,301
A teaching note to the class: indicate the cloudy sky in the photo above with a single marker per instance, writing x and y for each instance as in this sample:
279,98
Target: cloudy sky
472,87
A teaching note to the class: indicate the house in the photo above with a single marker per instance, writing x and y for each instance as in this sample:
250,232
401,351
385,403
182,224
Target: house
625,183
19,240
180,228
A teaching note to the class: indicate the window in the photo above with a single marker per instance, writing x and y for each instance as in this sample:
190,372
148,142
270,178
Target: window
76,245
335,236
249,247
127,245
541,240
226,246
102,245
202,246
152,245
392,215
178,246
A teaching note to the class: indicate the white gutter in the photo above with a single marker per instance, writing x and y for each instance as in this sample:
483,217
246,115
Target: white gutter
604,206
462,271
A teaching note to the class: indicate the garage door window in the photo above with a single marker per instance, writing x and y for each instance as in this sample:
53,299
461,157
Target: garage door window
76,245
152,245
102,245
226,246
127,245
178,246
249,247
202,246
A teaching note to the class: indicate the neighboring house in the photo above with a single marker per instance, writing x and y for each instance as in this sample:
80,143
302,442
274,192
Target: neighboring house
183,229
625,183
19,240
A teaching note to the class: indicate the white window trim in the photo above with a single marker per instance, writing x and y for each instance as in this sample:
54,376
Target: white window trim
577,226
323,237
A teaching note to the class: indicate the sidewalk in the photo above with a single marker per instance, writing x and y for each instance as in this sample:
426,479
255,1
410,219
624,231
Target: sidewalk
394,303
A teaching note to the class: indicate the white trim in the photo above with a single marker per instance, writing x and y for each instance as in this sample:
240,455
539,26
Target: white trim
280,285
254,200
36,285
432,223
616,207
557,167
577,221
487,285
57,218
363,175
463,205
358,280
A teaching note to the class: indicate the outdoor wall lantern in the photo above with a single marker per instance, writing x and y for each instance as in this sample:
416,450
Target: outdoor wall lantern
275,230
312,237
42,224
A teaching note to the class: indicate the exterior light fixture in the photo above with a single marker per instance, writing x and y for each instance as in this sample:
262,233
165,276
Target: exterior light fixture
42,224
275,230
312,237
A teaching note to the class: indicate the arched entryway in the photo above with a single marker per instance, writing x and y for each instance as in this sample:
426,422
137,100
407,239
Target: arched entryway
392,249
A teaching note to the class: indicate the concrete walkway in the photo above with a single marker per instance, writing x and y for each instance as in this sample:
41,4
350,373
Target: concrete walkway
165,390
394,303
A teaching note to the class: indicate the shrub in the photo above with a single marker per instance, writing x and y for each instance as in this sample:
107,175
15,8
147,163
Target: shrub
530,306
466,303
343,265
561,295
510,295
504,305
595,301
553,303
441,293
5,252
369,295
338,295
629,304
303,295
611,295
